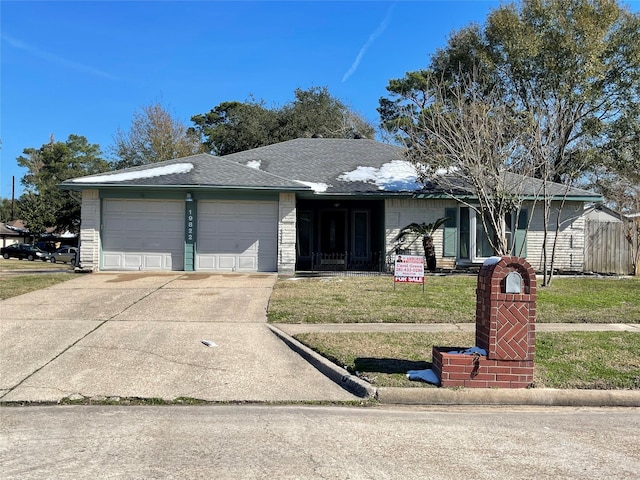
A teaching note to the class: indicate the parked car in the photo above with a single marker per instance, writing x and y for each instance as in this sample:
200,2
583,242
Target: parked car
65,255
24,250
46,246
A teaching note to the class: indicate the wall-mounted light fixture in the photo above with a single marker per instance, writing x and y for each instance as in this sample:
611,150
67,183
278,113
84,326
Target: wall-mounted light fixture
188,198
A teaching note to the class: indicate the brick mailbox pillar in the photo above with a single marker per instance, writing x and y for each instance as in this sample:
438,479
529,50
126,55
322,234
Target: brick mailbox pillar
505,330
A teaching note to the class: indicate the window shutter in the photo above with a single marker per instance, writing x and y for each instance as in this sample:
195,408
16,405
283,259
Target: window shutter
520,240
450,231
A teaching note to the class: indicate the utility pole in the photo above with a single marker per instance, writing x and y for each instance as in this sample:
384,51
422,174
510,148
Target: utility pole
13,195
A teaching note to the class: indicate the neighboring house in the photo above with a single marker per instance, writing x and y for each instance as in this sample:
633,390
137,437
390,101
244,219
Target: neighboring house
304,204
603,214
14,232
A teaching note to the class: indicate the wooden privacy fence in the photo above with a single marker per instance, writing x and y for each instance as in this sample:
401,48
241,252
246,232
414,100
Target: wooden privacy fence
606,248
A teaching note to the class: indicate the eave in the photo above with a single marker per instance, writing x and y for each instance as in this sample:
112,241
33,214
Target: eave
109,186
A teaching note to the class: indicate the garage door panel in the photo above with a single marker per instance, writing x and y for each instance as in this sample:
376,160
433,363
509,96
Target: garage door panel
204,262
143,235
247,263
112,261
229,245
155,261
268,209
230,235
226,262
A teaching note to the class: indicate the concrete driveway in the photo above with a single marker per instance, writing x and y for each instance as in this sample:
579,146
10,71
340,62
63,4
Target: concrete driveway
141,335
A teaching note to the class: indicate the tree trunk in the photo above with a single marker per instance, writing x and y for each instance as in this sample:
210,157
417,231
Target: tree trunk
429,252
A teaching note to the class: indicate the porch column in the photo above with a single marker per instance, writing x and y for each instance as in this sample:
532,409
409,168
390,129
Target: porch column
287,233
89,241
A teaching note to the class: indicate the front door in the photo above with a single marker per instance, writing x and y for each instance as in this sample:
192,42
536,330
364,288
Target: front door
333,231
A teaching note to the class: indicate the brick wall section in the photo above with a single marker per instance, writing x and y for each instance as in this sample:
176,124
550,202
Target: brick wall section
90,230
505,328
457,370
287,233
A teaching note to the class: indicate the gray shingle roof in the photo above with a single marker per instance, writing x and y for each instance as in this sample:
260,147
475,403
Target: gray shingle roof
196,170
517,184
324,161
328,165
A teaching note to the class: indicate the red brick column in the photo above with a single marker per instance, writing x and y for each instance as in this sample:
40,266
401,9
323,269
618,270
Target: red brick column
505,322
505,328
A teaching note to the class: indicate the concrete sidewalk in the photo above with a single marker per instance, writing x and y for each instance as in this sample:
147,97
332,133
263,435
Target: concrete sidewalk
297,328
424,394
139,335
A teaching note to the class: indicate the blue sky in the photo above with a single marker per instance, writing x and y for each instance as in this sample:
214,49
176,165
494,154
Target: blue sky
84,68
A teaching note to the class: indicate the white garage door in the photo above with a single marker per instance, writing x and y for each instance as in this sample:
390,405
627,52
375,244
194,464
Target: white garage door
237,236
142,234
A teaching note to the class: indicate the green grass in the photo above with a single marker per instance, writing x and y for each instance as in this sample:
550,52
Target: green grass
15,264
602,360
446,299
18,284
372,299
590,300
605,360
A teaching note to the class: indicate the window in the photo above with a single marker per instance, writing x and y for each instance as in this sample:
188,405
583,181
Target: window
360,234
517,231
304,229
464,235
474,243
450,233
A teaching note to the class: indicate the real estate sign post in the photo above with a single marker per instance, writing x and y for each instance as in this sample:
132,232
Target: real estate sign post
409,269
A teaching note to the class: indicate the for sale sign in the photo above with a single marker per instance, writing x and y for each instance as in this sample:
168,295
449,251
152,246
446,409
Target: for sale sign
409,269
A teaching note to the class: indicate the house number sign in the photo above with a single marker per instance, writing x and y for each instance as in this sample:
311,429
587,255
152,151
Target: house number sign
190,223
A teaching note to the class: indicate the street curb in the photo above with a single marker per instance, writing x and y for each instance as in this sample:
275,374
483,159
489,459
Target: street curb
339,375
460,396
494,396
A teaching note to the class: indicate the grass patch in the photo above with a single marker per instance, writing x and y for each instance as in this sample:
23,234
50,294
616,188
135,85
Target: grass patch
605,360
446,299
590,300
601,360
17,284
372,299
15,264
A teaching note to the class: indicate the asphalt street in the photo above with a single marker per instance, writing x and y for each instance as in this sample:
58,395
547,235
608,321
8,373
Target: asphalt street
316,442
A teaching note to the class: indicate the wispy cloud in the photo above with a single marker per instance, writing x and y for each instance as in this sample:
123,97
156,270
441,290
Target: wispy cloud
381,28
50,57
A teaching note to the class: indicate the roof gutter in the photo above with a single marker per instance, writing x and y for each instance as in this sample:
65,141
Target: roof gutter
105,186
575,198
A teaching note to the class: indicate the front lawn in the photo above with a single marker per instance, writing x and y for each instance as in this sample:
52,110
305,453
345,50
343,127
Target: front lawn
12,285
597,360
446,299
7,264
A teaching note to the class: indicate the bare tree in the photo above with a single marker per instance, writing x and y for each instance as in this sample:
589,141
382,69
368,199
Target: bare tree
572,65
473,146
154,136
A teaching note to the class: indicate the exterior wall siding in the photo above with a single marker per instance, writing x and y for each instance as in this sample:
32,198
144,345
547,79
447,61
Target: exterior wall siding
569,254
403,211
90,230
287,233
